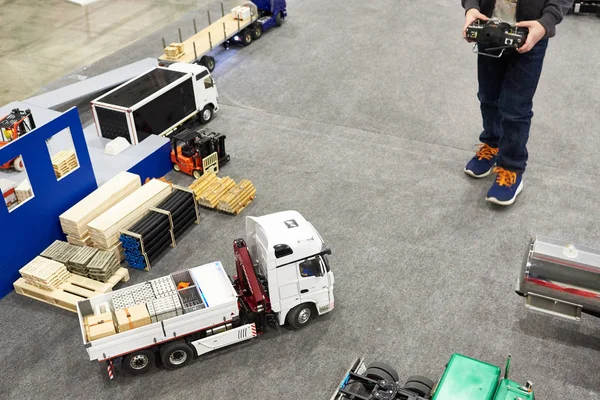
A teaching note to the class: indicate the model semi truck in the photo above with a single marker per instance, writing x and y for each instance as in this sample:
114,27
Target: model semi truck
242,25
282,277
463,379
156,103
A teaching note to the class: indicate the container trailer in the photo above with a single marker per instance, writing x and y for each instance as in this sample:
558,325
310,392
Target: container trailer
282,277
156,103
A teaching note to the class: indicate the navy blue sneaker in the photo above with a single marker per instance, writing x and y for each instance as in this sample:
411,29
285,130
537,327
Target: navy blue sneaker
481,165
507,187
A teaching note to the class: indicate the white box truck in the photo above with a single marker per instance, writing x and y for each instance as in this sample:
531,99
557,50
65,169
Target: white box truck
156,103
287,280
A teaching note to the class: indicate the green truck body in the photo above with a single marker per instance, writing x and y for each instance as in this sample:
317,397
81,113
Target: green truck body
469,379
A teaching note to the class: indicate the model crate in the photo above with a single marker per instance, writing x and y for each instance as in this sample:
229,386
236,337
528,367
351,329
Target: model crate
132,317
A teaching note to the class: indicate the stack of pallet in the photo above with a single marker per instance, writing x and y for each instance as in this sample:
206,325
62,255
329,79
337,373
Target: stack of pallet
23,191
237,198
61,252
159,229
64,162
103,265
78,263
44,273
104,230
223,193
75,220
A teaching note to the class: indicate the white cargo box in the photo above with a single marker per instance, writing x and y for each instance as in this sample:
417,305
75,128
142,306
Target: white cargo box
241,12
218,295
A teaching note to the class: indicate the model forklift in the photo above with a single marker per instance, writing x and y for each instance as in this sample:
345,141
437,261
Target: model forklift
464,379
12,127
194,152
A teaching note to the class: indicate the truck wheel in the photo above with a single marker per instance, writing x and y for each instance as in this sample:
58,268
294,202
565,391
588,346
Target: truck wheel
176,355
208,62
419,385
300,316
206,115
378,375
385,368
18,164
139,362
257,31
176,168
279,19
246,37
197,174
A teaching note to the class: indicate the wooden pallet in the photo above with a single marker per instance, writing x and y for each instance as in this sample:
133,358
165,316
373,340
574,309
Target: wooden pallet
64,162
209,189
69,293
74,221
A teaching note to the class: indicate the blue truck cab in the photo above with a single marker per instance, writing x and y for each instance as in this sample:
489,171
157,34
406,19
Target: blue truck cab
272,12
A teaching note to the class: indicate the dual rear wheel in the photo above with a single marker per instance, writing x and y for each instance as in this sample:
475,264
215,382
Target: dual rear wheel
173,355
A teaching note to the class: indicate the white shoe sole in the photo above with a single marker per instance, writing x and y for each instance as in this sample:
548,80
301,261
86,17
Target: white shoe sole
507,202
471,174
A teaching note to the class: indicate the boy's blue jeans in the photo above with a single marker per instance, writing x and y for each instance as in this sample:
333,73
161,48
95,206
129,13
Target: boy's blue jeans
506,89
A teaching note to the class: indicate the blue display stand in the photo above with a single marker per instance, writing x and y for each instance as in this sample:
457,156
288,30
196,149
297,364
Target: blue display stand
155,165
34,225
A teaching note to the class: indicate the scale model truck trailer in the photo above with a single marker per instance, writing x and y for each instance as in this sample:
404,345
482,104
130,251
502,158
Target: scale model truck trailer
192,312
464,379
243,25
156,103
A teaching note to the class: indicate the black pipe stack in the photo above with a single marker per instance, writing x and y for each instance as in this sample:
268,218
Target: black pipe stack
159,229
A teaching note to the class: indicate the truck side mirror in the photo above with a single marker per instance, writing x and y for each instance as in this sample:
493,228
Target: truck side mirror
282,250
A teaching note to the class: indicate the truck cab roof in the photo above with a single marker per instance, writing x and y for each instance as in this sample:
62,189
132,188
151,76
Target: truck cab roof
286,228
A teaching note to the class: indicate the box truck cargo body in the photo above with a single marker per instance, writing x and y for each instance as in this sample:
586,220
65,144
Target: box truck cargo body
156,103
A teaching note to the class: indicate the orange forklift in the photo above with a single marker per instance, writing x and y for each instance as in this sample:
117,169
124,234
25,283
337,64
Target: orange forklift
13,126
195,151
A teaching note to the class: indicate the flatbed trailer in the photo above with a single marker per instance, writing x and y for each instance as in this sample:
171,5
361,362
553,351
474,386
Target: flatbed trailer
242,25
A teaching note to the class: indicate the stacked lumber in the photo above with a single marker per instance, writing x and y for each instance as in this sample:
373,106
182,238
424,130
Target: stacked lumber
23,191
44,273
78,262
103,265
60,251
152,235
64,162
74,221
209,189
104,230
237,198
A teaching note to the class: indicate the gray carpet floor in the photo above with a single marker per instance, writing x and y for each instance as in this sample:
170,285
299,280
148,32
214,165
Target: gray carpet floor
361,115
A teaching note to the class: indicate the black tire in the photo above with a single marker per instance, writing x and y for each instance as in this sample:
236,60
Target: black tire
246,37
257,31
176,355
419,385
208,62
206,114
385,367
139,362
379,375
279,19
300,316
196,174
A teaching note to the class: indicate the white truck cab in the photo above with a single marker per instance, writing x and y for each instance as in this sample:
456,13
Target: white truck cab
291,254
205,86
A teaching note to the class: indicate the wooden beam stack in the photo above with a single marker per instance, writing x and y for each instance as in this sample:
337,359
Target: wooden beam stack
23,191
44,273
238,197
64,162
74,221
104,230
103,265
222,193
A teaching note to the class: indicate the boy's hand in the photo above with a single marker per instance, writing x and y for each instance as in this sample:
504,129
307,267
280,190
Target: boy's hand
536,33
471,16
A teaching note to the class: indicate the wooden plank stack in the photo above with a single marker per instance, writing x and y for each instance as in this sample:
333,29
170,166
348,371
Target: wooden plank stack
74,221
78,263
23,191
64,162
222,193
104,230
44,273
60,251
237,198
